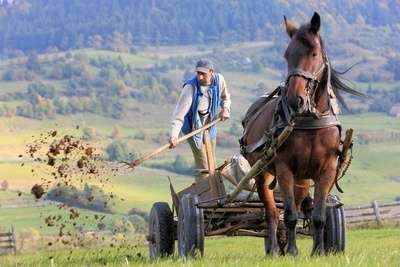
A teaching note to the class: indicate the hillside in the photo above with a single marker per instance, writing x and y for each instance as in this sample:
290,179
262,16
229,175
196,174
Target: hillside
39,25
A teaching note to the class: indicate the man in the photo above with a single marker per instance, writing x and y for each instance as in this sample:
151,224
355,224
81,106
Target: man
204,98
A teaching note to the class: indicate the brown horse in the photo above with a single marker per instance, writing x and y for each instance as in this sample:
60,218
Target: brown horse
308,100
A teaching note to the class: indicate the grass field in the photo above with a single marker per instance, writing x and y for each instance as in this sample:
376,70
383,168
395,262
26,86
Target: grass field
362,249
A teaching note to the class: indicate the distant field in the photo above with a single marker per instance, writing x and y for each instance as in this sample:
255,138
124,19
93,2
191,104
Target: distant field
379,247
373,164
34,218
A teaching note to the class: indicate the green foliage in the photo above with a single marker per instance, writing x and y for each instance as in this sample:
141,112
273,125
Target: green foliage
139,212
90,197
179,165
89,133
42,24
33,62
121,151
383,101
182,165
236,129
140,135
393,65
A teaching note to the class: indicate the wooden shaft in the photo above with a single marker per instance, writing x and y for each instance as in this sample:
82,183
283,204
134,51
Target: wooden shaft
179,141
344,156
209,152
347,141
261,163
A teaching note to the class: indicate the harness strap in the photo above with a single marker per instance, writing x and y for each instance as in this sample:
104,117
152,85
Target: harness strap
310,123
252,147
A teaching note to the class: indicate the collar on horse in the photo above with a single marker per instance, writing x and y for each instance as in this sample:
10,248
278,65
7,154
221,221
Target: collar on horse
312,118
283,115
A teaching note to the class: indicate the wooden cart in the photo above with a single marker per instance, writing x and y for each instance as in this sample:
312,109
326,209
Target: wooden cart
201,210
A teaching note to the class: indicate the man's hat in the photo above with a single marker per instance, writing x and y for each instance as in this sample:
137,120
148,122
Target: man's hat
204,65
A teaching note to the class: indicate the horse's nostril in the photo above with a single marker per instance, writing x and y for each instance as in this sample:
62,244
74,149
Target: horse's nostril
300,102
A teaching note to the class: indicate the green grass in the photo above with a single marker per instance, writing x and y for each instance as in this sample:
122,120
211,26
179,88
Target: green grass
370,121
11,87
378,85
136,60
23,219
379,247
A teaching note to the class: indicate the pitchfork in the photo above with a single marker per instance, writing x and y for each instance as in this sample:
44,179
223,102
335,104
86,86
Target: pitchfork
133,164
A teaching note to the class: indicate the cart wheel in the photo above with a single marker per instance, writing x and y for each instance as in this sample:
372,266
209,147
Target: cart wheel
335,228
161,231
190,227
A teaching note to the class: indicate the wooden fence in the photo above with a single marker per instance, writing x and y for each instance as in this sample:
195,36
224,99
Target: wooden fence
373,212
7,242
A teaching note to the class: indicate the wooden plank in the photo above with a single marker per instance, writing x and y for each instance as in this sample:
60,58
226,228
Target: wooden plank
6,247
5,234
393,204
209,152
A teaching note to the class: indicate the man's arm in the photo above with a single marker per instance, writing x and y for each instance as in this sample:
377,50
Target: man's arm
225,99
181,109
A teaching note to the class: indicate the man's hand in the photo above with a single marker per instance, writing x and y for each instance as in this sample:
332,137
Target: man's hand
172,142
224,114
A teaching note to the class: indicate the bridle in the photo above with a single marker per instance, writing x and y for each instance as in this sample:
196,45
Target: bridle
313,81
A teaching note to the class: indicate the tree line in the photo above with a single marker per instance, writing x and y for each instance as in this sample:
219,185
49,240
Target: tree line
41,24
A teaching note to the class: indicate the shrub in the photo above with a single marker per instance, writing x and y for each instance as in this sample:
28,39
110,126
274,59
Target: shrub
140,135
121,151
179,165
89,133
141,213
90,197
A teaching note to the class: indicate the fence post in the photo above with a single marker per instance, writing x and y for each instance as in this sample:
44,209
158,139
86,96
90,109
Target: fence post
13,240
377,213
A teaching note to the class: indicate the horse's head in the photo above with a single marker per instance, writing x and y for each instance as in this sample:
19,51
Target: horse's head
307,63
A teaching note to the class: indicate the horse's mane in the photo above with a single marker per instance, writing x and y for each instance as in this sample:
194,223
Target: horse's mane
338,82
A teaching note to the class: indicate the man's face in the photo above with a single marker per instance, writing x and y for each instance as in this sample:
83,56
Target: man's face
204,78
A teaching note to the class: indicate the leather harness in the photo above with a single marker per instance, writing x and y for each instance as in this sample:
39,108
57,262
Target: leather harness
312,119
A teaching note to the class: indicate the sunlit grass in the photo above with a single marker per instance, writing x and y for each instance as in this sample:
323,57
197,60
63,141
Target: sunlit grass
379,247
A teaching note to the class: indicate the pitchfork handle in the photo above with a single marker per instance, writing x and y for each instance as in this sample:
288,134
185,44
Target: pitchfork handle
180,140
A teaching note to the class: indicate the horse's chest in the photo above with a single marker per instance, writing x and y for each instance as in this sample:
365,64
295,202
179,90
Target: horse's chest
307,155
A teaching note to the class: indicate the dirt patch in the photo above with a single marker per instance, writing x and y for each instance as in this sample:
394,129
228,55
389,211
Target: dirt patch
65,161
37,191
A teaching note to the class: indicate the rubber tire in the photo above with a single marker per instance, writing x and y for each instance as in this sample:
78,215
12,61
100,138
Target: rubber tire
161,231
190,228
335,229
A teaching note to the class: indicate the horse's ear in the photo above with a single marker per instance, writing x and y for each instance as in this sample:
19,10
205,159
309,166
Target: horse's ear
290,27
315,23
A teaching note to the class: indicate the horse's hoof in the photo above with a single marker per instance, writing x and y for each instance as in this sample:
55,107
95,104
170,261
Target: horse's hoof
317,252
292,251
273,252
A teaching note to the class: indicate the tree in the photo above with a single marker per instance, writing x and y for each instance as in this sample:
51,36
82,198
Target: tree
181,165
89,133
33,62
121,151
95,41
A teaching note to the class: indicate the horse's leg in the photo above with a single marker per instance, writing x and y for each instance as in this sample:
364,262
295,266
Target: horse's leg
301,192
286,184
271,213
322,188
